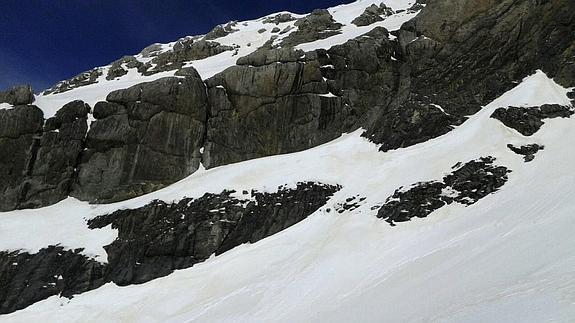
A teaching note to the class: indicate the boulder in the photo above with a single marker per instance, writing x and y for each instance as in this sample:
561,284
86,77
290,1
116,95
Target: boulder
18,95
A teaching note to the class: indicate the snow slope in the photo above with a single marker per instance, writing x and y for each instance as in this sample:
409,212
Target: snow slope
508,257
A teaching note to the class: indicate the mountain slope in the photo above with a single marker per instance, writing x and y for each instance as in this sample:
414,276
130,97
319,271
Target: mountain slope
356,163
506,257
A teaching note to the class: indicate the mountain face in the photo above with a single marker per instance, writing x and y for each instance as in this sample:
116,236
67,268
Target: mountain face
297,134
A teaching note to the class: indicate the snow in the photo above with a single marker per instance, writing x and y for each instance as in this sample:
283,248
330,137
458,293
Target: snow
5,106
506,258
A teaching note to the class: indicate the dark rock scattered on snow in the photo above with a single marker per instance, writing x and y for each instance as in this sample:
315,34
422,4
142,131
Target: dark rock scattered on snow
120,67
466,185
279,18
315,26
528,151
82,79
221,31
185,50
528,120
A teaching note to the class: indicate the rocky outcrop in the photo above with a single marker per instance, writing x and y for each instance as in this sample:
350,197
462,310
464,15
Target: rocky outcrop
39,163
463,61
18,95
465,185
184,50
144,138
20,132
279,18
120,67
528,151
373,14
53,169
221,31
28,278
83,79
155,240
317,25
264,110
528,120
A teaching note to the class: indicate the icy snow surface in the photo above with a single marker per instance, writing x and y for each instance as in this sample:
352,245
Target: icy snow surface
508,257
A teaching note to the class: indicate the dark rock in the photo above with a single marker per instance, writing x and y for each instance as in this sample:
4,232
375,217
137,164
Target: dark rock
159,238
373,14
151,50
155,240
57,153
145,137
268,110
28,278
279,18
317,25
117,69
261,31
276,30
466,59
221,31
18,95
466,185
528,151
264,56
20,132
185,50
528,120
83,79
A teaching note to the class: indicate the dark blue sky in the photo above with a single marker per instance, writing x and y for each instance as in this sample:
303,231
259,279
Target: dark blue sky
44,41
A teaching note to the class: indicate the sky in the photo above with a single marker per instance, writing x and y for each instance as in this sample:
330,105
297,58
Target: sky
45,41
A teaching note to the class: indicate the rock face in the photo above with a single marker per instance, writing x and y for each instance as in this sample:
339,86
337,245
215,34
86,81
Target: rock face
155,240
20,131
144,138
56,156
372,14
528,120
466,185
437,71
463,61
269,109
18,95
38,166
28,278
